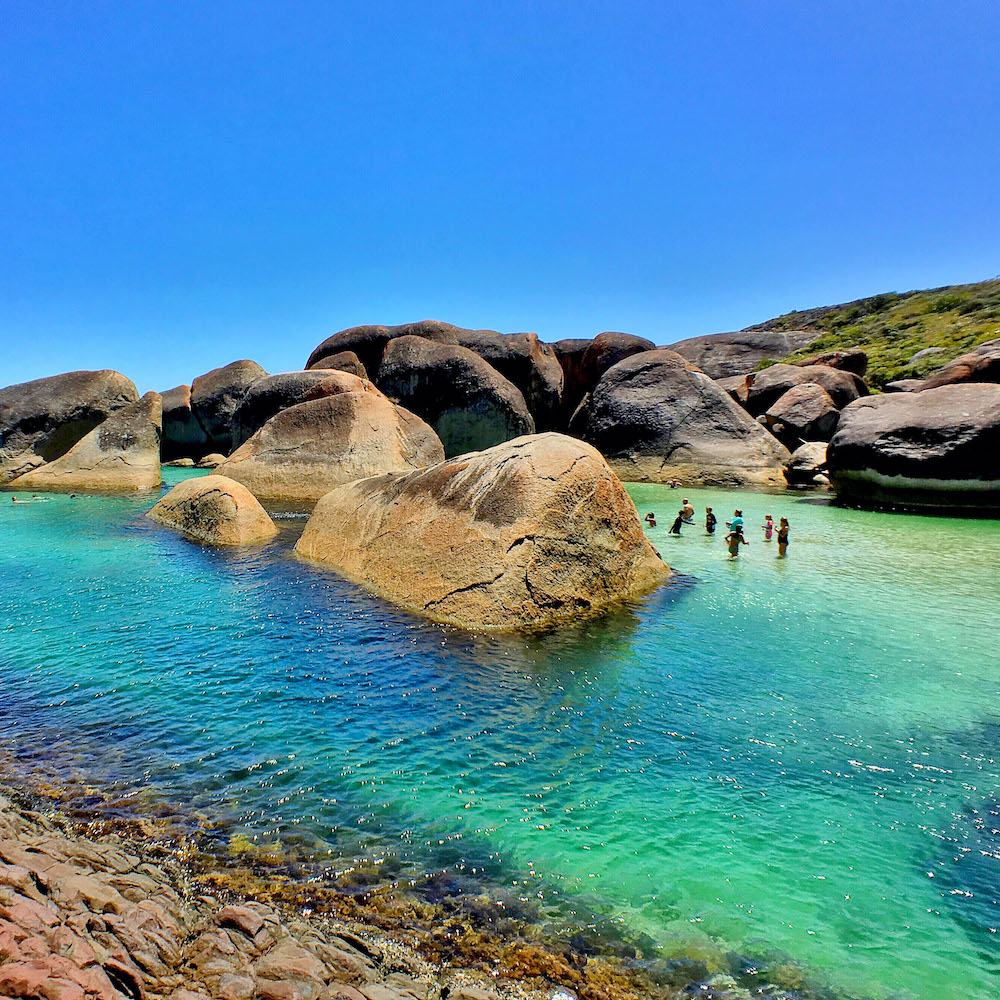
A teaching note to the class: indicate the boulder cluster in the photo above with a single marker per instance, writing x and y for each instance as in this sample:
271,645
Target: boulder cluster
475,476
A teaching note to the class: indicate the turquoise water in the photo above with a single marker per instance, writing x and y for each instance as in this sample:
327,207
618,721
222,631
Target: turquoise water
769,756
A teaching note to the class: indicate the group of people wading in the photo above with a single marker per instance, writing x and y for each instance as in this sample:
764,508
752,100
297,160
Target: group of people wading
735,538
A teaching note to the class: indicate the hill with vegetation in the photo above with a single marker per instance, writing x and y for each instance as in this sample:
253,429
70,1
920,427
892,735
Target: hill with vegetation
894,326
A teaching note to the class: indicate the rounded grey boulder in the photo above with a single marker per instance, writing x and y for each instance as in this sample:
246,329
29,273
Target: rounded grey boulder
656,417
721,355
469,403
772,383
215,397
41,420
935,448
804,413
183,436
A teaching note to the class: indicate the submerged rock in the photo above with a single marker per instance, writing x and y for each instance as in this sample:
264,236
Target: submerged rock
722,355
123,453
469,404
306,450
41,420
657,417
215,397
183,436
214,509
934,448
528,533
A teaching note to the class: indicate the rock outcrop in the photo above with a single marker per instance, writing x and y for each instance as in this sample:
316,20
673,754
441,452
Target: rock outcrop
215,397
807,466
656,417
851,359
584,362
804,413
183,436
41,420
274,393
344,361
525,362
91,918
528,533
306,450
768,386
469,403
721,355
368,342
123,453
934,448
980,365
214,509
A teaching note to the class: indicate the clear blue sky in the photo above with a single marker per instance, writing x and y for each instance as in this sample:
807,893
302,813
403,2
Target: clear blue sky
187,183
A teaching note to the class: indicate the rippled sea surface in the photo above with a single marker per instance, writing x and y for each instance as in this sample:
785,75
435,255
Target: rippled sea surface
768,756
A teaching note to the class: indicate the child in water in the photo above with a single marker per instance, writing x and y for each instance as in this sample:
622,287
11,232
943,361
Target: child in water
782,537
710,521
733,540
650,519
736,524
768,527
675,528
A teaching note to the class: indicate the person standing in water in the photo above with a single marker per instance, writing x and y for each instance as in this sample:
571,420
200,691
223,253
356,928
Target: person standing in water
688,511
675,528
710,521
734,539
736,524
782,537
768,527
650,519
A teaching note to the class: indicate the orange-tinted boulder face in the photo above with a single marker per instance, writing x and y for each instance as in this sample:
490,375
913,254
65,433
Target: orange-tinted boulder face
521,536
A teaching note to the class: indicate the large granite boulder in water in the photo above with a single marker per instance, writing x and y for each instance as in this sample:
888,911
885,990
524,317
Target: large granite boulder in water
466,400
123,453
935,448
183,436
274,393
721,355
214,509
43,419
304,451
215,397
768,386
528,533
982,364
807,465
657,417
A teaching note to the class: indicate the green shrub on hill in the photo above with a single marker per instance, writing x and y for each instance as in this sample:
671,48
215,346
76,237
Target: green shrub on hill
894,326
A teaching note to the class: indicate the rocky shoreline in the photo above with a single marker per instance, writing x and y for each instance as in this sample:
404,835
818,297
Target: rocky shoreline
99,908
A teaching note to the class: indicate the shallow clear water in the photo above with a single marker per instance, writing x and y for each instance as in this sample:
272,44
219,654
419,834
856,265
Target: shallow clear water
796,755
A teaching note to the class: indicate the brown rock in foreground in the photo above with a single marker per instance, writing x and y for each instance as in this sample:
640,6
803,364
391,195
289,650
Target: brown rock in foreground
41,420
214,509
308,449
523,535
123,453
